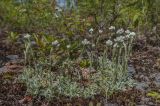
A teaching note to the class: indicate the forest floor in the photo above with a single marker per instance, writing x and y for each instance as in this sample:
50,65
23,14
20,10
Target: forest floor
144,67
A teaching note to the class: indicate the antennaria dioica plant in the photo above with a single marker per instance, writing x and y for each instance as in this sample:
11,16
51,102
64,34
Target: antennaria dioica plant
53,72
121,46
104,75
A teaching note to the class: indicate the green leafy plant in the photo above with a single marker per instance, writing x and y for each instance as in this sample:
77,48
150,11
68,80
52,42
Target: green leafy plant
112,77
154,95
13,37
52,77
69,56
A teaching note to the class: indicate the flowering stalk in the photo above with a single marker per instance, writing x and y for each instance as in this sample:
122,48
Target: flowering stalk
28,53
125,59
121,47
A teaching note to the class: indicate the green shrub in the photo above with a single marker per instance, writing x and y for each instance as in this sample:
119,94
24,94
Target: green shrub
41,16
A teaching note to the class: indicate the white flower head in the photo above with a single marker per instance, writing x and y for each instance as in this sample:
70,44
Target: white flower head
91,30
93,45
119,39
109,42
27,36
55,43
120,31
128,36
68,46
112,28
100,31
85,42
132,34
115,45
127,32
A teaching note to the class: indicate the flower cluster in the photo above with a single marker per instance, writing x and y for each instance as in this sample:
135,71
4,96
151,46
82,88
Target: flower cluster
91,30
100,31
27,36
121,36
68,46
127,32
119,39
109,42
85,42
112,28
120,31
